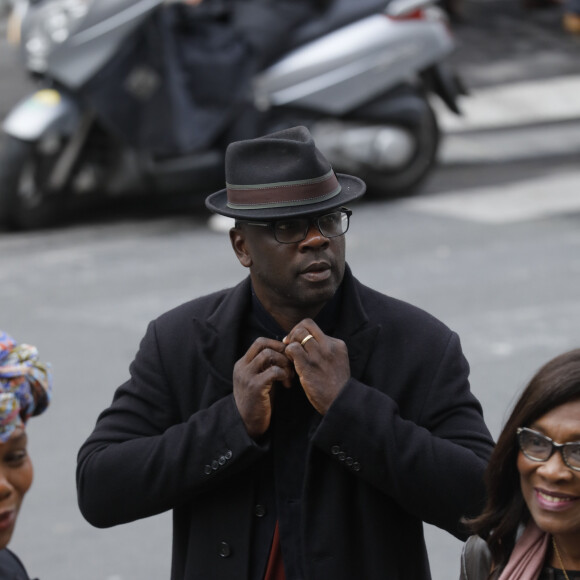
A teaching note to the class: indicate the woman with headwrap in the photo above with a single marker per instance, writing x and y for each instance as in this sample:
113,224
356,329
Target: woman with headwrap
25,389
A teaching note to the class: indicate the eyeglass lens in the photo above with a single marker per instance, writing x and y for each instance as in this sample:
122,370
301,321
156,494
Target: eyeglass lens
330,225
538,447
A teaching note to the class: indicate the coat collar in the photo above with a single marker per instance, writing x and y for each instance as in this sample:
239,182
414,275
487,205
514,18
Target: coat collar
354,327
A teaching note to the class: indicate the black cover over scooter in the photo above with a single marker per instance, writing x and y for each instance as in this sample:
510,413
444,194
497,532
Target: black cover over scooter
183,79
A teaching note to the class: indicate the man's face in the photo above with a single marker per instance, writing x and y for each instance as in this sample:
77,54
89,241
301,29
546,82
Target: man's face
301,276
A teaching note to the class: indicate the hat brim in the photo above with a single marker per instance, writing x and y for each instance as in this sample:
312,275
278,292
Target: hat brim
351,189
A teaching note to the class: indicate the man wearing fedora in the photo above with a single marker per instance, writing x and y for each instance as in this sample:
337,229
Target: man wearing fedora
300,425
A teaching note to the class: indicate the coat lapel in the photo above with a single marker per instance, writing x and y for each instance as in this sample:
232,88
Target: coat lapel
221,333
222,330
354,327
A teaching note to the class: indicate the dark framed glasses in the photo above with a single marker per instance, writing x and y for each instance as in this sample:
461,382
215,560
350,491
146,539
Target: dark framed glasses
538,447
294,230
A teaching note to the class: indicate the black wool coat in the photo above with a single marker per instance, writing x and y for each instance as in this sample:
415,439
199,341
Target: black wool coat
11,568
405,442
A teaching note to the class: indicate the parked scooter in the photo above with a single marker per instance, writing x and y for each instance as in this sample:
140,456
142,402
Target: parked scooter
360,78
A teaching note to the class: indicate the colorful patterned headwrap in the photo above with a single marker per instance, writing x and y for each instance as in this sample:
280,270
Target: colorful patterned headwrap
25,385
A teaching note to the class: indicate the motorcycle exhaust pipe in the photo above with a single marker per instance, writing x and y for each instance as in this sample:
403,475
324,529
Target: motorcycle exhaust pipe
352,146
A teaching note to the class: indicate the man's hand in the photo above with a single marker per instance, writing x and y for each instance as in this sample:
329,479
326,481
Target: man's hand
321,363
254,376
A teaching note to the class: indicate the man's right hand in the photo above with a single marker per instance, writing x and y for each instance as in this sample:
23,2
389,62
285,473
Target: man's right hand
254,376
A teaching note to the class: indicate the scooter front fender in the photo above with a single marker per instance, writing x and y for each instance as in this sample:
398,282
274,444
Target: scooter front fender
44,112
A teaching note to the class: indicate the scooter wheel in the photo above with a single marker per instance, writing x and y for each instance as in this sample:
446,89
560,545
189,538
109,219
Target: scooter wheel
407,179
25,200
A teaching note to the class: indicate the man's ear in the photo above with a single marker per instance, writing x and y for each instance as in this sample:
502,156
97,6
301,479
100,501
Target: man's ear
238,241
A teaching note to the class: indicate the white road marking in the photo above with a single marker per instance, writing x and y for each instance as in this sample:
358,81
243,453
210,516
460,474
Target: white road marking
501,204
522,103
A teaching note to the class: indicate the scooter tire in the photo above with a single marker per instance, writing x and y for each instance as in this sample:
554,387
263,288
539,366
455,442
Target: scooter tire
406,180
25,202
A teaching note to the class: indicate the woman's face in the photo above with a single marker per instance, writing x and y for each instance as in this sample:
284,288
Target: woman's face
15,479
550,488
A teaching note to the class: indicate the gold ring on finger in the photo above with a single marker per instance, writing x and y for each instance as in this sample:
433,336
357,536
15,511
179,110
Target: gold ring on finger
306,339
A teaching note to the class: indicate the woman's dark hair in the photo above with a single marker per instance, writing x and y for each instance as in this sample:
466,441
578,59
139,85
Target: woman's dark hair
556,383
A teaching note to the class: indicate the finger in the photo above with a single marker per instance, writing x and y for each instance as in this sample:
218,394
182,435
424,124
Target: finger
262,355
301,331
269,358
261,344
281,374
297,354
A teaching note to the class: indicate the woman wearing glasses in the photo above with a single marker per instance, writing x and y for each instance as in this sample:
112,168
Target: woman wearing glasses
530,527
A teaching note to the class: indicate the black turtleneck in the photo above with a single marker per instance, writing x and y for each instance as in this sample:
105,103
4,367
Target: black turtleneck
279,480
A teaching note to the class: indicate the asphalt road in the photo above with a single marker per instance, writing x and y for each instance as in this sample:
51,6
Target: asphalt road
85,293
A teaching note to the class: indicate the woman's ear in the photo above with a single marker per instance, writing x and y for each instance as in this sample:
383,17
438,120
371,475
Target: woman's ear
238,241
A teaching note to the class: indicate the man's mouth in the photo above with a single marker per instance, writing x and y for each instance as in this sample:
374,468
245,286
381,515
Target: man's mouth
317,272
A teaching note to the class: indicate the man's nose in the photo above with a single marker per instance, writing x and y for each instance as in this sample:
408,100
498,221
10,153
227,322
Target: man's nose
314,238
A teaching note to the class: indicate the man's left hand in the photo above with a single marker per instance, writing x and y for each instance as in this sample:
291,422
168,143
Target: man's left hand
321,363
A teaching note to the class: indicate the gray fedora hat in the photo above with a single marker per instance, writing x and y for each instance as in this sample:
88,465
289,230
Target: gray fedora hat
281,175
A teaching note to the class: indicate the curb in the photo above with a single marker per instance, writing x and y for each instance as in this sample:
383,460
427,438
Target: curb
513,122
523,75
511,144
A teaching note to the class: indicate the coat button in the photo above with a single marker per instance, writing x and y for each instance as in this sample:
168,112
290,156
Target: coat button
222,460
224,550
260,511
341,456
207,469
228,454
335,449
356,466
214,464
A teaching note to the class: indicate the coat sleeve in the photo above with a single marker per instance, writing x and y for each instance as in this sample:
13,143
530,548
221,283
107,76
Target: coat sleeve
429,460
475,560
144,457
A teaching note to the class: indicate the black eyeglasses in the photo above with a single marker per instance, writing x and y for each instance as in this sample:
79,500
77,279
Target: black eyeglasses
292,231
538,447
